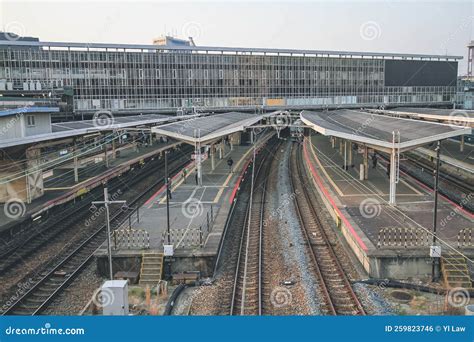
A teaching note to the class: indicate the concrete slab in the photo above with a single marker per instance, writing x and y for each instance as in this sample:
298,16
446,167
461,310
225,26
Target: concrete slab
191,207
363,212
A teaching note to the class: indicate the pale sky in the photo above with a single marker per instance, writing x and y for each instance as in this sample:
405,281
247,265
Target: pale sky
431,27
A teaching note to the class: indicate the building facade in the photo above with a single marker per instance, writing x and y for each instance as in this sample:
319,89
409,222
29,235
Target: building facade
154,77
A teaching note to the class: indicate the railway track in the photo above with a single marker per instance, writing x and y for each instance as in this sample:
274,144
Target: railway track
338,295
247,290
54,278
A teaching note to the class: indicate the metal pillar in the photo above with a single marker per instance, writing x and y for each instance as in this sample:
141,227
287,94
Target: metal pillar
393,176
340,147
106,203
114,154
350,153
333,142
434,270
211,150
231,142
167,186
345,154
366,162
220,149
461,145
106,156
76,169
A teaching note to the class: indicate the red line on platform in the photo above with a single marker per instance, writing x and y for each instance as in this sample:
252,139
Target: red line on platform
331,200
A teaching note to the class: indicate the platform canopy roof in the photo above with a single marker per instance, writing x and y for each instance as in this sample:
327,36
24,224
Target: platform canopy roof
205,129
377,130
105,122
452,116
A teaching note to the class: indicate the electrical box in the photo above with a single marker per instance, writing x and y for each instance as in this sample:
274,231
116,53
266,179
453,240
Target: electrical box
114,298
168,250
435,251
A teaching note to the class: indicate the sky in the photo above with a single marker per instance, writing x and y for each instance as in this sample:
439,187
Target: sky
428,27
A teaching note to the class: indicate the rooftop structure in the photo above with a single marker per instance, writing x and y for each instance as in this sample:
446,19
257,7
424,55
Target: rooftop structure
205,129
378,130
126,77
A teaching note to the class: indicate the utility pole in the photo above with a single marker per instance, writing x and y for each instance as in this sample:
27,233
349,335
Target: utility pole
435,212
106,203
167,185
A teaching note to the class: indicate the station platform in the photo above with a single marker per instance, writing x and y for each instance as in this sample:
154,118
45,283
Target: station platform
452,155
60,186
388,240
198,214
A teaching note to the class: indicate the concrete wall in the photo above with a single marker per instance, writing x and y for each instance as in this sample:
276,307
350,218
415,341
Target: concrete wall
10,127
42,124
15,126
16,188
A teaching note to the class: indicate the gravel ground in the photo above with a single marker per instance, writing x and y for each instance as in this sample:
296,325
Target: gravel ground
46,254
287,261
73,299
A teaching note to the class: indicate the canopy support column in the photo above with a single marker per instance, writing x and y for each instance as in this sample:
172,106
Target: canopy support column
393,176
211,150
366,162
461,145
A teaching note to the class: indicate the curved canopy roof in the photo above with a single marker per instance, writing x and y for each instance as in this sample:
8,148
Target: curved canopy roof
203,129
377,130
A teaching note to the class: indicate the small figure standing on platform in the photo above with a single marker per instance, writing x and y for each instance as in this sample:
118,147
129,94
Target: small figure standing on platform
230,162
184,174
196,176
374,160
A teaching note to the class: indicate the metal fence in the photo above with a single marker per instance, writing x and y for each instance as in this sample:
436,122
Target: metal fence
191,237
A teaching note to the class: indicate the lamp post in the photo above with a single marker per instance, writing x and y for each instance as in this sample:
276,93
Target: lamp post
435,210
167,185
106,202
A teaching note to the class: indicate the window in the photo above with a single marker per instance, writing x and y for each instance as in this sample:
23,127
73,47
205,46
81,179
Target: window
221,74
175,74
30,120
158,73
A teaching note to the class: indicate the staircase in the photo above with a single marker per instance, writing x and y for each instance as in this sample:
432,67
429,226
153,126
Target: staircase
152,268
455,271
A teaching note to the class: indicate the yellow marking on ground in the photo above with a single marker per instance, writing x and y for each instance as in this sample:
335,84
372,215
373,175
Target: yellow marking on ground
68,187
324,171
